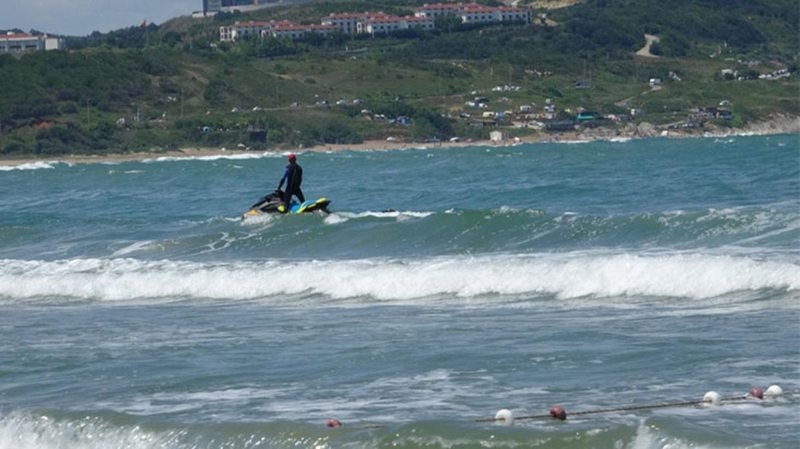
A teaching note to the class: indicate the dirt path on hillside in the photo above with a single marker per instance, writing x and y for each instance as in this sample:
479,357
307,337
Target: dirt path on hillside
645,51
553,4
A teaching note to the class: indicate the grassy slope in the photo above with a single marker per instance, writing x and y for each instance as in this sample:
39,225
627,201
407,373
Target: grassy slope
440,73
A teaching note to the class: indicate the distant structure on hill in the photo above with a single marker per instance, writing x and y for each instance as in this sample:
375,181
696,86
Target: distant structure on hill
13,42
211,7
377,22
475,13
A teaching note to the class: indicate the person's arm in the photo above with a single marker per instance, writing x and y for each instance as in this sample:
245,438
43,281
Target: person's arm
285,175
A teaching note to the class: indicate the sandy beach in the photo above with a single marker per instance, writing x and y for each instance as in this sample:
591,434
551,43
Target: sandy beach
200,152
778,124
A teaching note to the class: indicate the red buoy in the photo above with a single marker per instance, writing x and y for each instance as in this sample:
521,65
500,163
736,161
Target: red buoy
756,393
333,423
558,412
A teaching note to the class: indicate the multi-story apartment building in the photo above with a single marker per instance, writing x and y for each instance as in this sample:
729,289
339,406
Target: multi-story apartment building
292,31
389,24
211,6
283,28
378,22
435,10
348,22
475,13
20,42
241,30
514,14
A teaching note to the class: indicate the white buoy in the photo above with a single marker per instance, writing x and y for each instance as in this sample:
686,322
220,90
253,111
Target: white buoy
505,415
773,391
712,397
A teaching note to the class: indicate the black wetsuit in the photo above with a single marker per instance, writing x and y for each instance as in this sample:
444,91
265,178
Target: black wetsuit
293,177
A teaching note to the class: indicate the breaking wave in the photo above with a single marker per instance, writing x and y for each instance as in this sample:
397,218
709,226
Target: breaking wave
562,276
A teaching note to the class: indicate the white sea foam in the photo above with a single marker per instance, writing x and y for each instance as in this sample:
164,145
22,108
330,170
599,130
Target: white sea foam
564,276
574,142
389,399
263,219
651,437
214,157
29,166
180,402
340,217
23,431
621,139
135,247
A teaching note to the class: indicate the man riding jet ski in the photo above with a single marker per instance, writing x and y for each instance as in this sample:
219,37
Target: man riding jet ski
280,201
294,178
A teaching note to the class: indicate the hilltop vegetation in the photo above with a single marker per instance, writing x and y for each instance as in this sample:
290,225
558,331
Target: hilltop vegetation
175,85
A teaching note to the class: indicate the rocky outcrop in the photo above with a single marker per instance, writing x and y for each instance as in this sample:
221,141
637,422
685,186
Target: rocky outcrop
777,124
646,129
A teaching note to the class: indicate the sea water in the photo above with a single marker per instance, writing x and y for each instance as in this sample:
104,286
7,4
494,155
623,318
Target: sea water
621,281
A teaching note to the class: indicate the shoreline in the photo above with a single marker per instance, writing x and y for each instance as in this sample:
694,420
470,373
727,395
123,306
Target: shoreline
780,124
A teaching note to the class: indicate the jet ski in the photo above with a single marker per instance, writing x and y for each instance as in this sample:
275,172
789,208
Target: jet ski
271,204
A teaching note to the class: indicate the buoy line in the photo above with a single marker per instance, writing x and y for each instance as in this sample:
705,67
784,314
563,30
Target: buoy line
712,398
505,416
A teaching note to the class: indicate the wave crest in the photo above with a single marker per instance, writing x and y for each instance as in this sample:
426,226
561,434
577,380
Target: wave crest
563,276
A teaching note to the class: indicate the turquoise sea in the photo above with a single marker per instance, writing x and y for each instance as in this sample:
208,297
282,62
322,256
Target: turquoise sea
622,281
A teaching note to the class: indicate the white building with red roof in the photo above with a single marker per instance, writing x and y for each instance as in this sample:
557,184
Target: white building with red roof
348,22
475,13
293,31
283,29
390,24
12,42
435,10
514,14
378,22
241,30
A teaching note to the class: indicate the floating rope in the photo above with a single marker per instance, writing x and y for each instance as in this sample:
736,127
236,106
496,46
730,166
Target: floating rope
558,412
710,398
507,417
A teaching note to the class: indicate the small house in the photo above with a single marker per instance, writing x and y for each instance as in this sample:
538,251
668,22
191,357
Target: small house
498,136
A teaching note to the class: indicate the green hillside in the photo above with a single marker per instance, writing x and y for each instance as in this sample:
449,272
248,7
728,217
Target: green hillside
175,85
